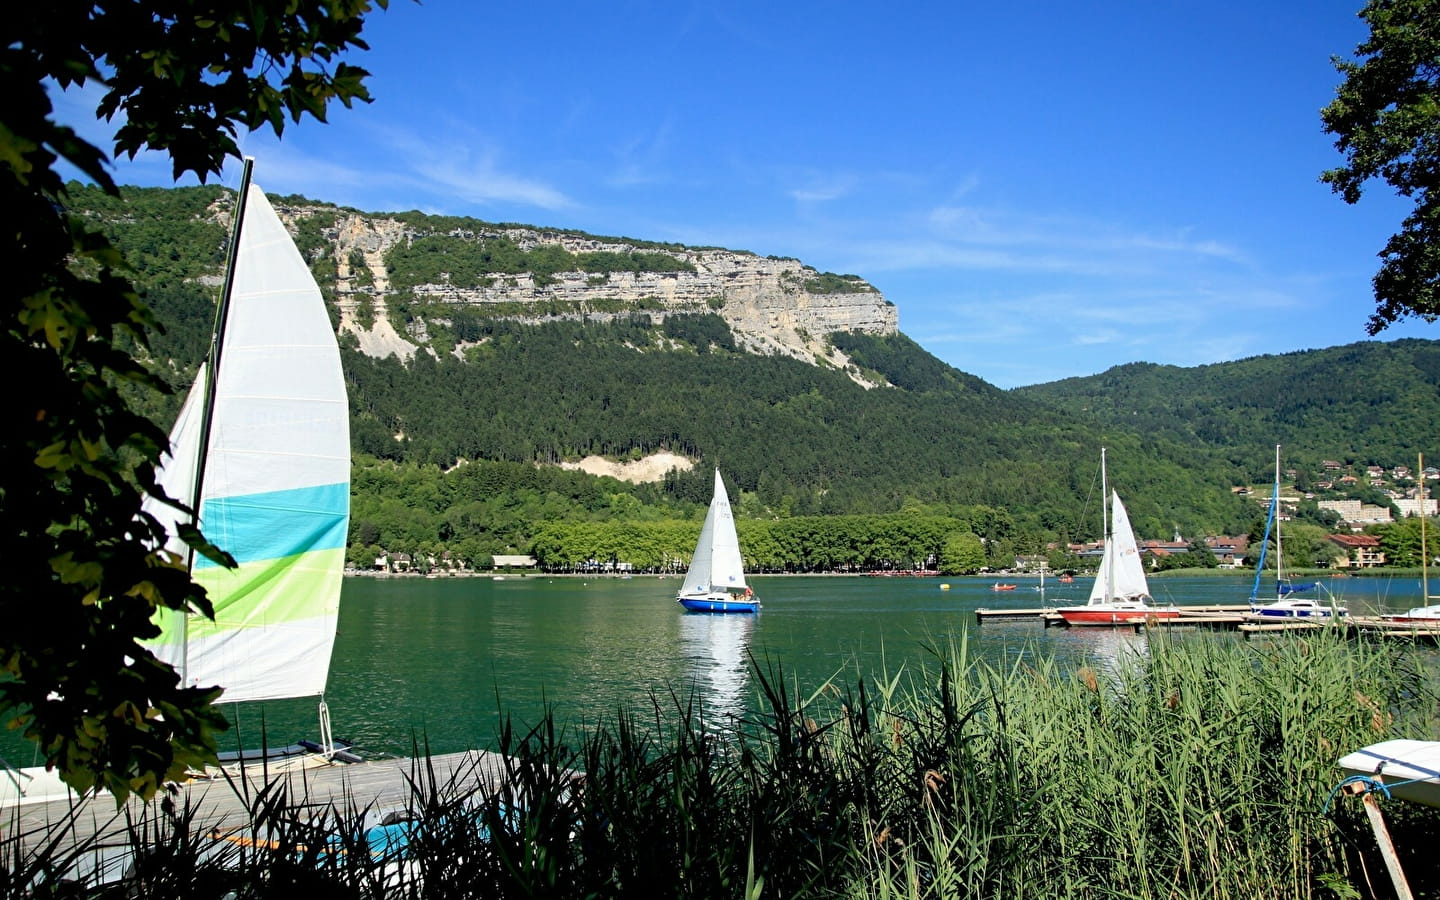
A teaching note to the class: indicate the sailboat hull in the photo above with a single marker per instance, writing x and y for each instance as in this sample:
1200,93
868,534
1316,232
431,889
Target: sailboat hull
1410,768
1098,615
1289,609
1427,614
718,604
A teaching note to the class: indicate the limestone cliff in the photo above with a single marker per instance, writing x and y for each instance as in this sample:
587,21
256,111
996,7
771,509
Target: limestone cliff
772,305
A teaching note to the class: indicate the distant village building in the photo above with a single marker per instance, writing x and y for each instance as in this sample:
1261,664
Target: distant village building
1089,549
1410,506
519,561
1357,514
1361,551
1229,551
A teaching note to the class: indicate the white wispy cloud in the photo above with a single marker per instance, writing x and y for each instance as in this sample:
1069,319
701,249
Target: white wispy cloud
1061,236
641,159
823,188
480,180
464,166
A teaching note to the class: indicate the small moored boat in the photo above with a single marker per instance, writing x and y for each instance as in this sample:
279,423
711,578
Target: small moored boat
1121,595
1409,769
1286,605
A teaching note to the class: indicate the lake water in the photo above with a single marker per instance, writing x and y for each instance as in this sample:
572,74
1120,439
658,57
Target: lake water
439,659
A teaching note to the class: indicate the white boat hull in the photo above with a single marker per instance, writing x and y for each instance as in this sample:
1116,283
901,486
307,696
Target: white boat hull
1298,609
1409,769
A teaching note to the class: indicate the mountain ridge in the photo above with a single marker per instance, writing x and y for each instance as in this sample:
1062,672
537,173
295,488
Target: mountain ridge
863,422
772,304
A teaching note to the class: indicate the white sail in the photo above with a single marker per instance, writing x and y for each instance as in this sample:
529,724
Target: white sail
275,489
1122,573
697,577
717,564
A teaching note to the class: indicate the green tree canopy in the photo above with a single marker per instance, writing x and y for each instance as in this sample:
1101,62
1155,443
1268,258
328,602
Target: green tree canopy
964,554
1386,118
84,579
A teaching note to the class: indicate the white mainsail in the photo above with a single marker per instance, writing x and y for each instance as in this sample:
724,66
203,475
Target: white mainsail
275,480
717,564
1122,573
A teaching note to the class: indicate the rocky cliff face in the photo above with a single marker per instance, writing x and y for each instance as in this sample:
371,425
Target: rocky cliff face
772,305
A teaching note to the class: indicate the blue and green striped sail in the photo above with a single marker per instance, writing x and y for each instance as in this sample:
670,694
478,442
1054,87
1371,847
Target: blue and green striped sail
275,490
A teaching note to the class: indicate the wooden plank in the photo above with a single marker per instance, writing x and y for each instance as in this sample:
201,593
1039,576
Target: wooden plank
1253,627
1387,847
220,802
982,614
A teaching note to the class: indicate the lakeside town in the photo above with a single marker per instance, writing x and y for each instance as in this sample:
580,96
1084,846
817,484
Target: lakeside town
1355,504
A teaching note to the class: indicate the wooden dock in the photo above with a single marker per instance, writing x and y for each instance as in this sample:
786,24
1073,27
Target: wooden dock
1239,618
1214,616
221,804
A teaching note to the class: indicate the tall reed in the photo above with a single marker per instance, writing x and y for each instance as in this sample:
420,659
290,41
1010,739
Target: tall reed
1196,767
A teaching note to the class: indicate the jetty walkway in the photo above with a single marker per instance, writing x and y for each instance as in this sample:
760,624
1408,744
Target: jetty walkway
228,804
1238,617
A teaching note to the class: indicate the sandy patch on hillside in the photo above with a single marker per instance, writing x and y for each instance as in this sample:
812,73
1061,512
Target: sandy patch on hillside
640,471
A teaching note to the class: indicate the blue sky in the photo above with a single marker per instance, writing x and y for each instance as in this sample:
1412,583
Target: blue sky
1043,189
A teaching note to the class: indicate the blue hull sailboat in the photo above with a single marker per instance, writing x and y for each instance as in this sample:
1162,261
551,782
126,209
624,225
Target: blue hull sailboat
1286,604
715,581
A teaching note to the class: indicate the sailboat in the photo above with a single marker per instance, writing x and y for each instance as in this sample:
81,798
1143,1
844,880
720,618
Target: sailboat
1285,604
261,453
715,581
1431,613
1120,595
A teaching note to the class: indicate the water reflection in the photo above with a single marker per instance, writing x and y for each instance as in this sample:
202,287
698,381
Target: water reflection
714,649
1109,650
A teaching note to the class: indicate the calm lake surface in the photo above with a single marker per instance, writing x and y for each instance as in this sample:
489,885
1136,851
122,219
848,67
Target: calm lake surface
439,659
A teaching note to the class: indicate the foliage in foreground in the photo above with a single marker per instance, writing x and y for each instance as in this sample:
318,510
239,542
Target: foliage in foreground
1199,767
1386,119
83,575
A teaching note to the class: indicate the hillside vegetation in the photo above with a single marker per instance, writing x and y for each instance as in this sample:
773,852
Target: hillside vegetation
1367,403
514,394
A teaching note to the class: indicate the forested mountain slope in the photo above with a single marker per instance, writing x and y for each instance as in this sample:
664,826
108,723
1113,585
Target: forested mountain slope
1360,404
855,420
806,438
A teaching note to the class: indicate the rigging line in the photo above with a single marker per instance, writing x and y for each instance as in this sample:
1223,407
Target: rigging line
1085,507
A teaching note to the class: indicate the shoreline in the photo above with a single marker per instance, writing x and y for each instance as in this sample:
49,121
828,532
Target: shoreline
502,574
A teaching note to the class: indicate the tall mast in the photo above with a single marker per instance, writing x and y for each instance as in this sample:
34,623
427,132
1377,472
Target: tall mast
1424,548
212,374
217,336
1279,556
1105,515
1265,541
